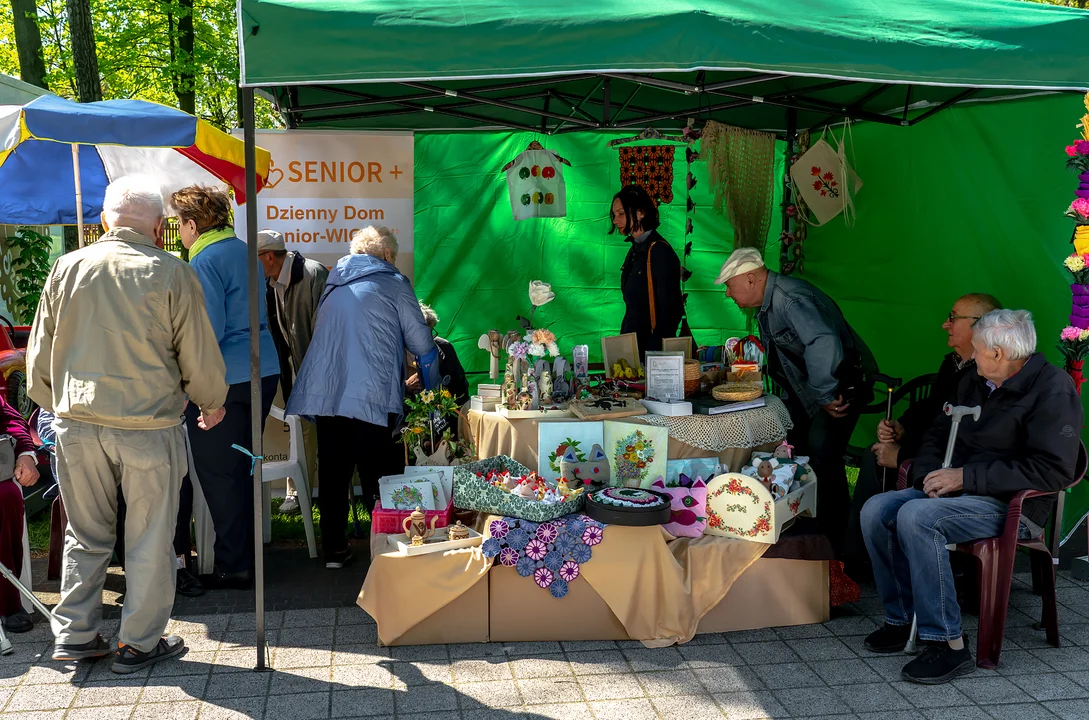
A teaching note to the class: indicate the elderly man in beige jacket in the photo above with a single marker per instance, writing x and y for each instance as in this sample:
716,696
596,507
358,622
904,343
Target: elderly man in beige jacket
120,339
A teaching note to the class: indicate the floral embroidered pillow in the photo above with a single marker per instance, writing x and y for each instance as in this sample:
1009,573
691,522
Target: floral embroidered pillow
688,506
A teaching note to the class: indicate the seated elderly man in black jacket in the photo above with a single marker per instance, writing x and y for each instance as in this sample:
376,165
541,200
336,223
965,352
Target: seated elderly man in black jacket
1026,438
901,439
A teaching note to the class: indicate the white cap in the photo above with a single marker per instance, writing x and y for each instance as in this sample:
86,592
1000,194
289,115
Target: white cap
270,240
741,261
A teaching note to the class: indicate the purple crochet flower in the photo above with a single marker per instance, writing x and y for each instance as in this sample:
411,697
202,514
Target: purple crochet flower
490,548
546,533
508,557
536,549
498,529
558,588
592,535
569,571
525,566
543,576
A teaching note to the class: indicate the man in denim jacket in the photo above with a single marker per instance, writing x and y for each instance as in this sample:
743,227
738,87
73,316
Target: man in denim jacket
821,363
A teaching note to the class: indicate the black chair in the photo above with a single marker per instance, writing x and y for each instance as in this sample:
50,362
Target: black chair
914,391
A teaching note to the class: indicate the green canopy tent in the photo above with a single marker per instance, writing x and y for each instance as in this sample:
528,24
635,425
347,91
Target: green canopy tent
556,71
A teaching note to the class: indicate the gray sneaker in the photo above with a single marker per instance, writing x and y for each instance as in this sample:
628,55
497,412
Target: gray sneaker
290,505
97,648
130,660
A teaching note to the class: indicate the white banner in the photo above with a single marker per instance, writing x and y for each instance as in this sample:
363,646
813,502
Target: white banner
323,186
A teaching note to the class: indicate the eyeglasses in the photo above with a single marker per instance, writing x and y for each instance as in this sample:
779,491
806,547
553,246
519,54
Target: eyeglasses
973,318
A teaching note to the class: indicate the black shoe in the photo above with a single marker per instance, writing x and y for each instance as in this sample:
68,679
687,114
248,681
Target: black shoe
130,660
97,648
18,622
337,560
888,639
228,581
188,585
939,664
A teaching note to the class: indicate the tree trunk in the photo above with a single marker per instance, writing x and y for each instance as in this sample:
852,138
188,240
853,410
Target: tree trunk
84,54
186,85
28,41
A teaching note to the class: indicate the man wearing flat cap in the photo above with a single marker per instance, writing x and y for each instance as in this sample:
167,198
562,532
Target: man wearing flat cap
823,366
293,287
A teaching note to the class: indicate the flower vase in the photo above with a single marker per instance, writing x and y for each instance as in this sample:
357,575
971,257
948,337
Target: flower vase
1074,368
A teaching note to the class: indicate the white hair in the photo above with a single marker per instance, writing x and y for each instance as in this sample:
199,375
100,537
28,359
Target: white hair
1011,330
374,240
430,317
133,201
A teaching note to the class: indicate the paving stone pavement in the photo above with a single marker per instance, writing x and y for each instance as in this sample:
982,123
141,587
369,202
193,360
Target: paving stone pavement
328,665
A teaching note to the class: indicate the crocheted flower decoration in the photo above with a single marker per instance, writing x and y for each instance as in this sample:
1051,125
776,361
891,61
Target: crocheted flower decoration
553,561
558,588
508,557
490,548
536,549
525,566
569,571
543,576
498,529
517,539
547,533
592,535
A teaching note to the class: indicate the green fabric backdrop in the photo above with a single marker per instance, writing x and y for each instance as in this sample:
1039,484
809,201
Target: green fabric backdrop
474,262
970,200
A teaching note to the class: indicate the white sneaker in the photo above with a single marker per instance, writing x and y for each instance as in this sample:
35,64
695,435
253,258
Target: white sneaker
290,505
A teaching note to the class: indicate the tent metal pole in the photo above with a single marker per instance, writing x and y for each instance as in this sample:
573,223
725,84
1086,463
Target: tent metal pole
250,135
79,193
439,92
951,101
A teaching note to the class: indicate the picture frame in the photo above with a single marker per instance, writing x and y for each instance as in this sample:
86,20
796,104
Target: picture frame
665,376
679,344
617,347
553,438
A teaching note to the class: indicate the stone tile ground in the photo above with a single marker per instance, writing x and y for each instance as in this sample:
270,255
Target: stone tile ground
328,665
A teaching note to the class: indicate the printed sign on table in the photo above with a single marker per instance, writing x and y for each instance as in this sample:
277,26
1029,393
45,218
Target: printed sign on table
323,186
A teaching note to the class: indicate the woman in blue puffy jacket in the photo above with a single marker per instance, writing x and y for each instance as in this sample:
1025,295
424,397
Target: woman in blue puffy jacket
221,262
352,379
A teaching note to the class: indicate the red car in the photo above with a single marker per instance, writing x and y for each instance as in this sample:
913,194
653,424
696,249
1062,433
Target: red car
13,366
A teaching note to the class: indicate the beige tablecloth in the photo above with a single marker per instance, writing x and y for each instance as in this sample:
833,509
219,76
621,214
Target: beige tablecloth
658,586
494,435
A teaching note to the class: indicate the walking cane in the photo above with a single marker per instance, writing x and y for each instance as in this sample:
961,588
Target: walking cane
957,412
891,384
5,644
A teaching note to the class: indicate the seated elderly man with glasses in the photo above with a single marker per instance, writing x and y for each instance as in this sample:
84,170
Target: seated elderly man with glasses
899,440
1026,438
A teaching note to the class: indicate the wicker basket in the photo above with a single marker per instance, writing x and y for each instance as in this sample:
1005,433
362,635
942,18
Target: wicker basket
738,391
691,377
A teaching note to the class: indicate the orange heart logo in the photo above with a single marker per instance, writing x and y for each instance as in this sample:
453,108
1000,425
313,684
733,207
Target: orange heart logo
275,175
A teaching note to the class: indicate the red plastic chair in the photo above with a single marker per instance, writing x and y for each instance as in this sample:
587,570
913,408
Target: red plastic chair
996,556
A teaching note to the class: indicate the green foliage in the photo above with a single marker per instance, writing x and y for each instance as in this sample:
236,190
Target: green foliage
140,56
31,269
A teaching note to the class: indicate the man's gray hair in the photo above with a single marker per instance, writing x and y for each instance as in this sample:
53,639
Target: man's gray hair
430,317
1011,330
133,201
374,240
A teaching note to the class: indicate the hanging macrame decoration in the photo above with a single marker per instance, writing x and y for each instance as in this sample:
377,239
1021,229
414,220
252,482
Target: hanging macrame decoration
741,167
651,167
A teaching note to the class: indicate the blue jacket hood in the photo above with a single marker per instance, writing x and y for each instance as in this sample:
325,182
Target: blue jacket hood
352,267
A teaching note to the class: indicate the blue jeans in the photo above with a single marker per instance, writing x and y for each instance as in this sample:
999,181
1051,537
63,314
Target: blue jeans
906,533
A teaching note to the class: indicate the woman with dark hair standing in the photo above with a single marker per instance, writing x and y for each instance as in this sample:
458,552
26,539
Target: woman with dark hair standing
650,278
221,262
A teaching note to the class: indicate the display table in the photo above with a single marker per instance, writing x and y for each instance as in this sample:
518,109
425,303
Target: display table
731,437
640,584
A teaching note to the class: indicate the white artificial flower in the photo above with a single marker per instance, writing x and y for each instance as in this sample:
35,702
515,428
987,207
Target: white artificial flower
540,293
537,350
553,349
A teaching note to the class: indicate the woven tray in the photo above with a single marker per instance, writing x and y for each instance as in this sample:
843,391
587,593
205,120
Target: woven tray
738,391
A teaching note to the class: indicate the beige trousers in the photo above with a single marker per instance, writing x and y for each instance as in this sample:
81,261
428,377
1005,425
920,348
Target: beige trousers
148,465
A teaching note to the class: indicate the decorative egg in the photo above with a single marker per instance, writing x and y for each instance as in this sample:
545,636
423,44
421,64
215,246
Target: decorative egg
525,199
549,197
523,173
548,173
536,171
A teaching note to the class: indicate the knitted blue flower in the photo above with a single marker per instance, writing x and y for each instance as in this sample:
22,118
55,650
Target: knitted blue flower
565,544
575,526
581,553
490,548
528,526
517,539
525,566
553,561
558,588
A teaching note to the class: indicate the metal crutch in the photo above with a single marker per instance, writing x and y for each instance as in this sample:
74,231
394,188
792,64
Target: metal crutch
957,412
5,644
